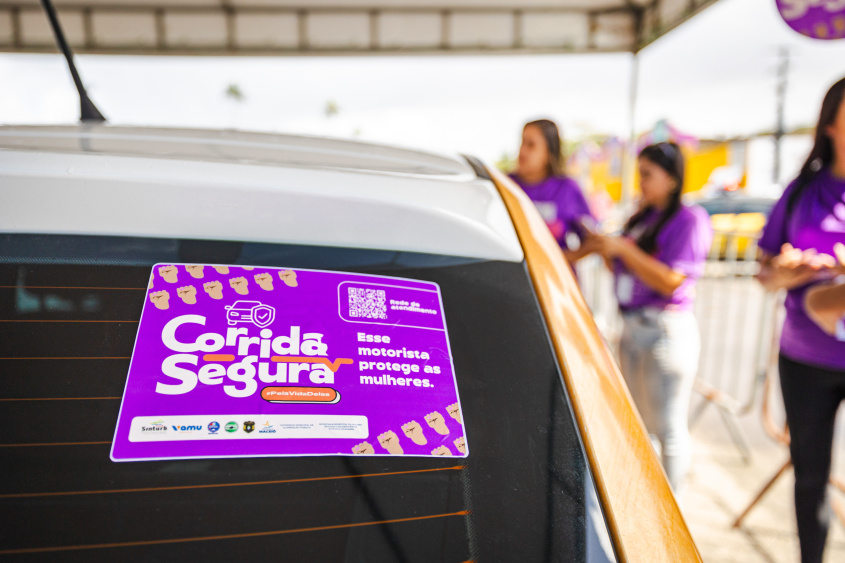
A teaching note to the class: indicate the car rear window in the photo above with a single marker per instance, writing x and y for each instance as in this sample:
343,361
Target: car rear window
69,312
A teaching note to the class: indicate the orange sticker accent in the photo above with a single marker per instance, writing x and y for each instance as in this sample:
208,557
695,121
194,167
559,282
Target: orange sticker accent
299,394
334,366
225,485
218,358
227,536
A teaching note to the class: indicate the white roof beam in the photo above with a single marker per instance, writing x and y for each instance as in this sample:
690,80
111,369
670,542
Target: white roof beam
280,27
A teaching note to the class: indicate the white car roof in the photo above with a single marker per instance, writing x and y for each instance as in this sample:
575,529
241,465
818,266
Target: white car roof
227,185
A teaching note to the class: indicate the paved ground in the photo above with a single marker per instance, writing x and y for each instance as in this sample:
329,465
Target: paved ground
721,485
732,321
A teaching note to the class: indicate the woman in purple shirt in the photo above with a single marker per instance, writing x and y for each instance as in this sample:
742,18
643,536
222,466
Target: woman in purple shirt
806,228
656,262
557,197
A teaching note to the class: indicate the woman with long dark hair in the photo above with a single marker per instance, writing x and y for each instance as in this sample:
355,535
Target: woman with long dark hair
540,173
656,262
805,229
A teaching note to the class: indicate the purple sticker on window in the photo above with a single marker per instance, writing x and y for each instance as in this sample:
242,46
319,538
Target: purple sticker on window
819,19
234,361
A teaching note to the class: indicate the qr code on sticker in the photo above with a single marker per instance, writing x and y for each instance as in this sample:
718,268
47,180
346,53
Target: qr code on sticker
367,303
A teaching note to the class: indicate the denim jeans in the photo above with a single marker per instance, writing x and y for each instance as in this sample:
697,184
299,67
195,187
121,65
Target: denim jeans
658,356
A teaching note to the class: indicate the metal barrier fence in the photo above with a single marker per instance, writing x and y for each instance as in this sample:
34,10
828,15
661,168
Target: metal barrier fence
739,325
736,318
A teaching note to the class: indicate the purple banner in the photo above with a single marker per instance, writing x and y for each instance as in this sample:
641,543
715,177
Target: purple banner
233,361
819,19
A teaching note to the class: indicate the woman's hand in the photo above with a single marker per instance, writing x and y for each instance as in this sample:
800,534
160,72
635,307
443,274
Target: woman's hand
596,244
588,246
825,317
794,267
825,303
611,247
839,252
651,271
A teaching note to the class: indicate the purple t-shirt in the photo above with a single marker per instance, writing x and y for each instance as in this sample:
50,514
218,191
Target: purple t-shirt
817,220
682,244
561,204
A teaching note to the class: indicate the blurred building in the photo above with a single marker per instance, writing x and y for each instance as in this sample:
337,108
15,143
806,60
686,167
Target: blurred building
712,165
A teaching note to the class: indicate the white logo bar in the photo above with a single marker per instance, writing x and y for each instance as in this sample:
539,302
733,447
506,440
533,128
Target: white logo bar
246,427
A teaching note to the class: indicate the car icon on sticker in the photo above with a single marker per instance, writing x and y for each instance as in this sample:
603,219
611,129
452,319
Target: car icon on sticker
253,312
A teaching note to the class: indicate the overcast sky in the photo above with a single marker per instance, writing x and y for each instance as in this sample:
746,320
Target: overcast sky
713,76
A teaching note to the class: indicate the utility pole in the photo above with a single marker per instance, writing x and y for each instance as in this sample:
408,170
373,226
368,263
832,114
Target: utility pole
782,79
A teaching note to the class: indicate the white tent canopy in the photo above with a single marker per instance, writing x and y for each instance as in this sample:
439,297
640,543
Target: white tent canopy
324,27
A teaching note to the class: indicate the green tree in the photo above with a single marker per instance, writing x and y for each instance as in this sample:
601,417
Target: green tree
233,92
506,162
332,109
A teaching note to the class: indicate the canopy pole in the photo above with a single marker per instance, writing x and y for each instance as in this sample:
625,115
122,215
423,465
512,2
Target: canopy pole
629,151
